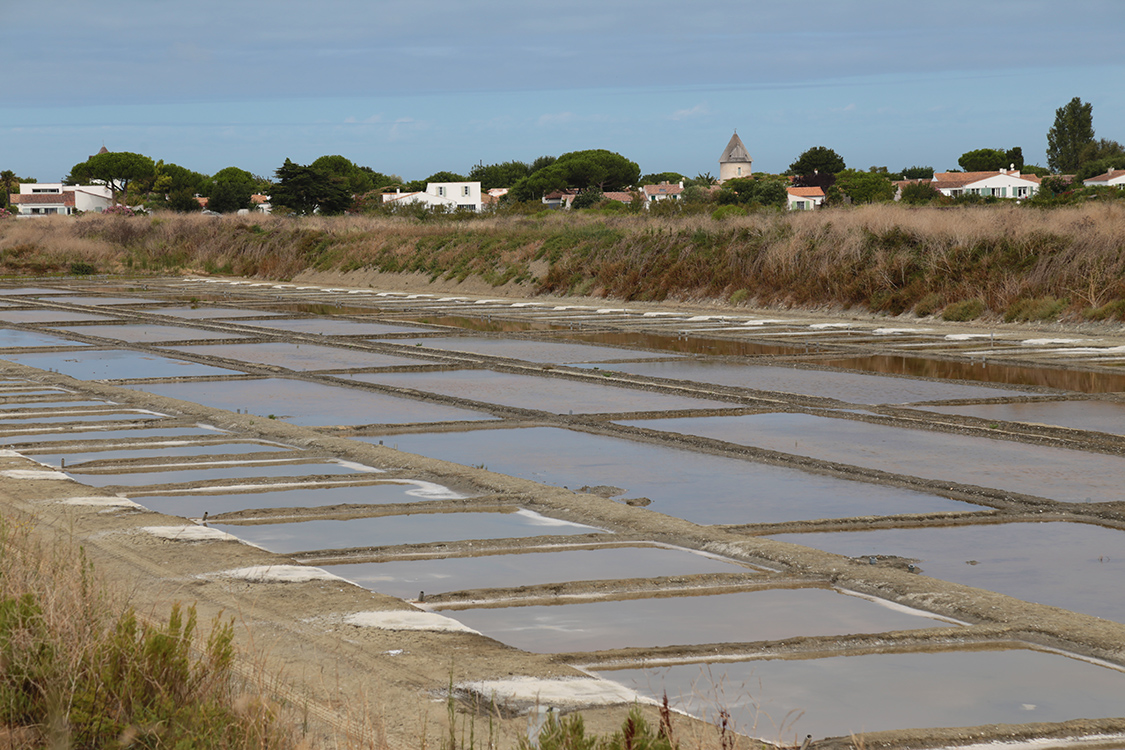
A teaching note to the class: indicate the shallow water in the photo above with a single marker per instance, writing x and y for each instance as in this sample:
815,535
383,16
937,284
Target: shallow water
47,316
1047,377
149,333
32,290
302,356
542,393
528,351
688,344
384,531
75,457
1055,473
116,364
195,504
184,475
766,615
844,386
1070,565
406,579
306,403
696,486
105,300
114,435
11,338
1099,416
329,327
204,312
837,696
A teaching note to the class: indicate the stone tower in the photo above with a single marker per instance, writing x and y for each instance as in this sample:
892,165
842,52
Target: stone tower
735,161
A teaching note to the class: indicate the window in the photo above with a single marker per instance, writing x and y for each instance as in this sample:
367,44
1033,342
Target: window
465,190
441,191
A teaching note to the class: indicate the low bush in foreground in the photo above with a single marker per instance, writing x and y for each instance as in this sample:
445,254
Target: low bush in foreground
77,670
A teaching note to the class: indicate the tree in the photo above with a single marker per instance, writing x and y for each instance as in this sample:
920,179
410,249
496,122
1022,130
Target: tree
115,169
920,192
917,173
864,187
419,185
9,182
182,200
588,198
307,190
1014,157
817,159
499,175
753,191
1073,129
658,177
605,170
983,160
172,177
229,196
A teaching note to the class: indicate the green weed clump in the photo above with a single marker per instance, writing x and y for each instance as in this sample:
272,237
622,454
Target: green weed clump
77,670
966,309
1035,309
928,305
1110,311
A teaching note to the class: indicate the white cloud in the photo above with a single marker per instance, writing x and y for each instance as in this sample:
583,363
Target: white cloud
699,110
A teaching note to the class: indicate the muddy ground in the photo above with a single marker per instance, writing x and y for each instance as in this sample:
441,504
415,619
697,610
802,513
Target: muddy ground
388,686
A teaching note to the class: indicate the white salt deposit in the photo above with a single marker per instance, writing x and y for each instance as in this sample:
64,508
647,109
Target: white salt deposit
101,501
34,474
575,691
407,620
190,533
279,574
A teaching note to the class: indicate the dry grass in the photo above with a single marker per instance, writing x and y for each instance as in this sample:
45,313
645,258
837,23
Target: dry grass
883,257
78,669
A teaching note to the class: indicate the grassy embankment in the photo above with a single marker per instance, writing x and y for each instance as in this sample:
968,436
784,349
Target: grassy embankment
80,669
1006,261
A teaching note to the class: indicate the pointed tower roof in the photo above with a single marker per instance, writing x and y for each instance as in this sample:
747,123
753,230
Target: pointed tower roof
735,152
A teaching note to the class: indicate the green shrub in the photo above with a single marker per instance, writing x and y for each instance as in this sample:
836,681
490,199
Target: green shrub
966,309
739,296
928,305
725,212
1111,311
82,268
1034,309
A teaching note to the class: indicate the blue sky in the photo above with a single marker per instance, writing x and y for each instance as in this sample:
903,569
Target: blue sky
417,86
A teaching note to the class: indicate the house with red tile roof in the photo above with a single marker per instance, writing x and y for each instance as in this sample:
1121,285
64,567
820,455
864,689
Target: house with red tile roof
662,192
804,198
1112,178
55,198
1004,183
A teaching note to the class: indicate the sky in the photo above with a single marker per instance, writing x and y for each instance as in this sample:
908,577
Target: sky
419,86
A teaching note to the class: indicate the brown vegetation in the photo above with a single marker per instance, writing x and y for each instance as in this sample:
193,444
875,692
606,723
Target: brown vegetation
1018,262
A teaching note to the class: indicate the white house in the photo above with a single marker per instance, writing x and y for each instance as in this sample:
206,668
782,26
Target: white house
665,191
1005,183
446,195
804,198
47,198
1112,178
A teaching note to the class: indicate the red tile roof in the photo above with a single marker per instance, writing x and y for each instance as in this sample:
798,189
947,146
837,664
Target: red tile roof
1111,174
949,180
805,192
662,189
49,199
